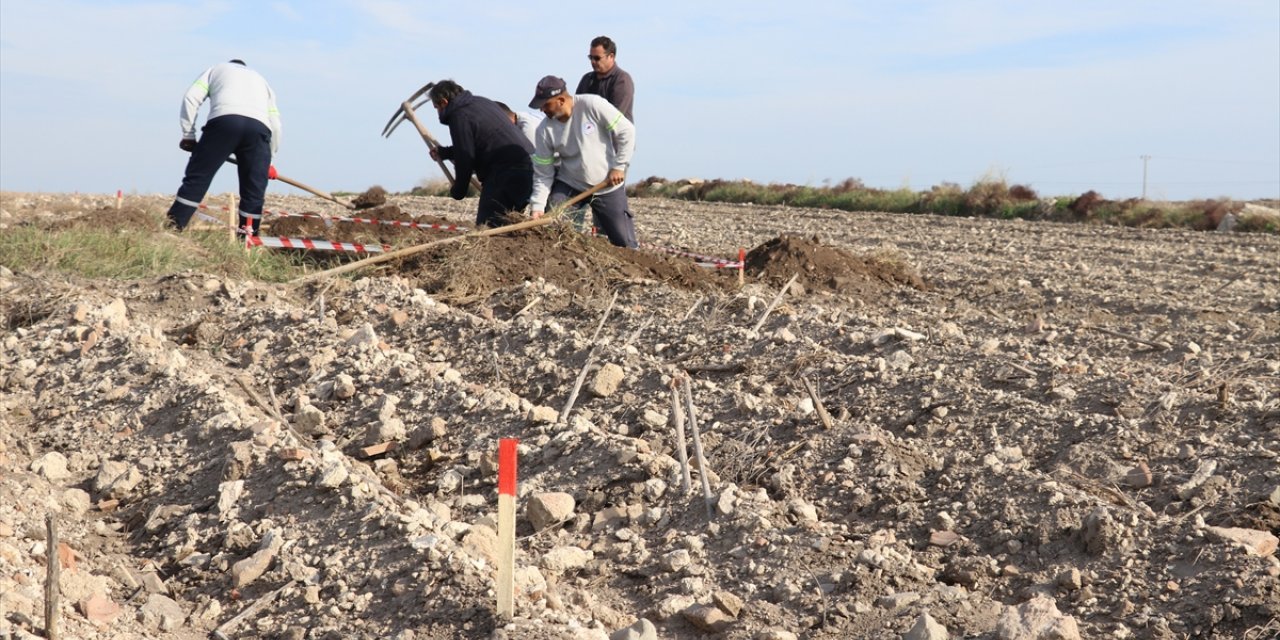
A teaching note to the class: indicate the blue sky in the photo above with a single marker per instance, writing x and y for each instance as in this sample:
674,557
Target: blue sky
1062,96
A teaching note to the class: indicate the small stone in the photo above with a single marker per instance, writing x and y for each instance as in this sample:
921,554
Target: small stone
76,501
707,618
115,314
1039,617
252,568
654,419
731,604
399,318
99,609
51,466
900,360
344,387
293,454
529,582
162,612
1139,476
926,628
606,381
1070,579
1255,543
116,479
229,494
547,509
898,600
776,634
363,336
943,538
1275,496
544,414
332,475
676,560
989,347
802,509
309,420
641,630
565,558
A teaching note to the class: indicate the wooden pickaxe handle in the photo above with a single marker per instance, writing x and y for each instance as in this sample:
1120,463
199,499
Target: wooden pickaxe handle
431,142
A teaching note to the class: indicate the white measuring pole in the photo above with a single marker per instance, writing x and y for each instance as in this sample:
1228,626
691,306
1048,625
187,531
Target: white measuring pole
506,527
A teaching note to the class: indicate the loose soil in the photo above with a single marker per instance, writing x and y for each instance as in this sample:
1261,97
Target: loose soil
1072,419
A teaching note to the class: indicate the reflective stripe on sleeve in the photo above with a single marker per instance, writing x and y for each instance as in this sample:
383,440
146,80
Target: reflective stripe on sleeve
543,160
615,122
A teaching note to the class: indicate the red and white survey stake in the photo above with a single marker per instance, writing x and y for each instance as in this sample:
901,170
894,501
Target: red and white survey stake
506,527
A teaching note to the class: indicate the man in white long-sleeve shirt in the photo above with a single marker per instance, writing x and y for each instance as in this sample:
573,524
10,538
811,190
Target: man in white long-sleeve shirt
243,120
592,142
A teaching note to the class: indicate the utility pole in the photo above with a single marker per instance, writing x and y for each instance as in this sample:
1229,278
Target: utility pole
1145,158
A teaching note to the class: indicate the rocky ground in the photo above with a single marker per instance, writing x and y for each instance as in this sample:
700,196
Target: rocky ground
1021,430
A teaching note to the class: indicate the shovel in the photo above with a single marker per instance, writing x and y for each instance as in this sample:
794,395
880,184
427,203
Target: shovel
289,181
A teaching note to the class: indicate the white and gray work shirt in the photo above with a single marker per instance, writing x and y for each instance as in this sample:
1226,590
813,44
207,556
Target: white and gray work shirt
596,139
232,89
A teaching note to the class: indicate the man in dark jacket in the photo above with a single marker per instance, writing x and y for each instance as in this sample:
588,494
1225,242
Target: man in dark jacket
606,79
486,143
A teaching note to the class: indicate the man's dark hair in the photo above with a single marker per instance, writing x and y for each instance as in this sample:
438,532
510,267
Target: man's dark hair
504,107
445,90
238,61
608,45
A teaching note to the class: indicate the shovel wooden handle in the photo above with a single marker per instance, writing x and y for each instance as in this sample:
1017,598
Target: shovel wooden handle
289,181
408,251
323,194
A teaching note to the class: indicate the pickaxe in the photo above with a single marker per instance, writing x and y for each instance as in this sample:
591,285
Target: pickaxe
323,194
408,111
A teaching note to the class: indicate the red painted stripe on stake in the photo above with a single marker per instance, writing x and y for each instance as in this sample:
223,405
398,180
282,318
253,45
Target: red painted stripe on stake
507,466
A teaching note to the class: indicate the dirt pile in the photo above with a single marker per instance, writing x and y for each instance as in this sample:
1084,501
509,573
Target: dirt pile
823,267
374,196
1085,441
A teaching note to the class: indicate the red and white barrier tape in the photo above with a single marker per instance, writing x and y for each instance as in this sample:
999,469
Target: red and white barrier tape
709,262
315,245
397,223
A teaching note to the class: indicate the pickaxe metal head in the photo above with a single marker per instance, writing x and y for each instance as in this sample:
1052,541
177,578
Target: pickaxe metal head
399,115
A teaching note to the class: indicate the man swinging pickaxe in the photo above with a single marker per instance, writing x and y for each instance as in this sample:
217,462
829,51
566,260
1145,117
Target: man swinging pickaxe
408,111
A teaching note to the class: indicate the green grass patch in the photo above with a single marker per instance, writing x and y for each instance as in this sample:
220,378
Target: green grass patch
131,253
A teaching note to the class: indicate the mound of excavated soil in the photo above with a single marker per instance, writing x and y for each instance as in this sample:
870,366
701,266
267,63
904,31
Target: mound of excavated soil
470,270
827,268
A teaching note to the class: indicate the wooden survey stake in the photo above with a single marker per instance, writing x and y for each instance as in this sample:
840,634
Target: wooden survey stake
506,527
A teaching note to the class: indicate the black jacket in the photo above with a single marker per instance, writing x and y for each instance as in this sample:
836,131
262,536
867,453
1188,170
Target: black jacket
484,139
